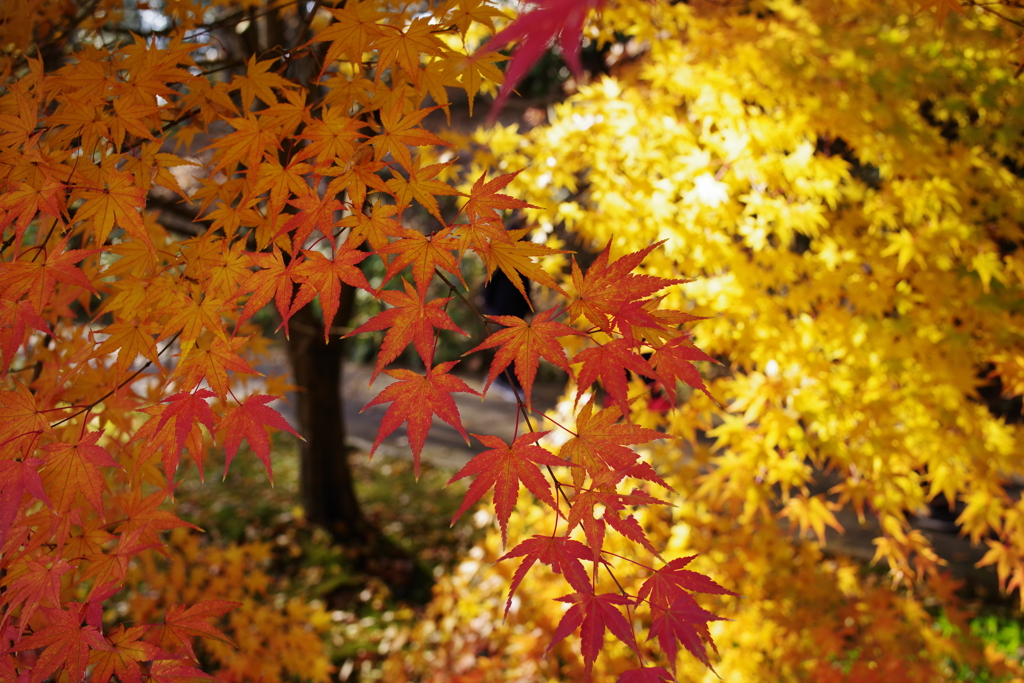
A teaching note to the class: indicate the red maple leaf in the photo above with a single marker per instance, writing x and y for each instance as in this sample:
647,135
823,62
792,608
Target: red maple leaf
610,362
248,421
323,276
645,674
672,581
674,361
592,614
178,424
416,399
584,512
18,477
504,467
527,343
550,19
686,622
410,320
561,553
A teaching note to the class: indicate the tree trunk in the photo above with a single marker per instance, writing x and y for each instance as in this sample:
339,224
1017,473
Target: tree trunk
328,493
328,490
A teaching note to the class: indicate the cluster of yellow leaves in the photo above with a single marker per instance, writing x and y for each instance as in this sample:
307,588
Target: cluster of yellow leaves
843,181
273,637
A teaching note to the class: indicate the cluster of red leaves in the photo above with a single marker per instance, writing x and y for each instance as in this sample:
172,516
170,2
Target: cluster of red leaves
295,198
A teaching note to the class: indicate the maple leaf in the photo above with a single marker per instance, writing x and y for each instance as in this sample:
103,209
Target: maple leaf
420,186
674,361
600,446
181,623
514,256
424,253
352,32
123,659
400,133
645,674
315,213
330,136
179,423
561,553
259,82
212,365
73,468
410,320
503,467
37,279
251,142
584,512
247,421
18,477
116,204
671,581
67,645
375,227
537,28
170,671
407,46
592,614
416,399
39,585
610,362
197,313
485,201
608,288
686,622
21,414
474,70
273,281
129,339
321,275
18,317
357,178
526,343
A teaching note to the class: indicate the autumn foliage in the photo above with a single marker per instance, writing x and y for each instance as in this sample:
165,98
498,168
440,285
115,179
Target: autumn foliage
128,350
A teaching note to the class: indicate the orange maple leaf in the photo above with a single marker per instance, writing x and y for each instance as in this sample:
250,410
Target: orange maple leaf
600,446
416,399
400,133
526,343
128,649
608,288
410,320
73,468
67,645
424,253
181,623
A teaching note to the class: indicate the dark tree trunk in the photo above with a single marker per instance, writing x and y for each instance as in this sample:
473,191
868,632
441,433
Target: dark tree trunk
328,493
328,490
